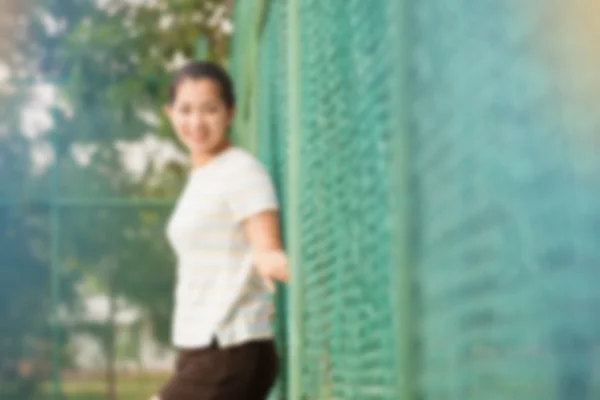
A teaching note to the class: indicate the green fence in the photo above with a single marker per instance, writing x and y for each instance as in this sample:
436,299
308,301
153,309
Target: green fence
86,275
440,198
438,171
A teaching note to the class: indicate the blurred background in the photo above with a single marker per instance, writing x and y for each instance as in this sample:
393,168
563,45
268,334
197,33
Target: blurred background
437,162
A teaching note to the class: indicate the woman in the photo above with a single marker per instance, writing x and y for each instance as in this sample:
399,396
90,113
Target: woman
225,233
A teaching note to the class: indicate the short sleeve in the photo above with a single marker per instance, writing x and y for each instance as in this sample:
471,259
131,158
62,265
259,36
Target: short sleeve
251,192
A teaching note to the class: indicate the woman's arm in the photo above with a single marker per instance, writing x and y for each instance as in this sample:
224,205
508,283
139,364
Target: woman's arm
264,235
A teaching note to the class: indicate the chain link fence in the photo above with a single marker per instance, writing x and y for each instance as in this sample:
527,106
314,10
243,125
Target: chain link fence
446,237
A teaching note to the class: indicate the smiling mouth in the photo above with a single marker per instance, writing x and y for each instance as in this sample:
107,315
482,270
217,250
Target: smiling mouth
200,137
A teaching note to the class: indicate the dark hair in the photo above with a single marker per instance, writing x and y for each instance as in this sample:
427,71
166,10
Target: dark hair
204,70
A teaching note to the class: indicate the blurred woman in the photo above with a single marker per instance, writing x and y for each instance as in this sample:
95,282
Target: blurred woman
225,233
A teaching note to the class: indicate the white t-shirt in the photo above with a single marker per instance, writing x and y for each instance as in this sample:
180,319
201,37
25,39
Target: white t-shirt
218,293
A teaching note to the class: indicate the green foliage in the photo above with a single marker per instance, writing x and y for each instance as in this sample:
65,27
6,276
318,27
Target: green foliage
111,66
124,252
24,297
116,63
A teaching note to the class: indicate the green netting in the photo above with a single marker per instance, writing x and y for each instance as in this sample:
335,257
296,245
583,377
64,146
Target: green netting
341,359
506,219
85,271
346,238
273,144
503,191
84,290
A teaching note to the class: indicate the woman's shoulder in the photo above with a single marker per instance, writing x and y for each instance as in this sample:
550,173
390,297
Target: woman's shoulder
241,160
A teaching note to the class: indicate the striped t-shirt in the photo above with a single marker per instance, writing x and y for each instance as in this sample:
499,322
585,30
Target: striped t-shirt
218,293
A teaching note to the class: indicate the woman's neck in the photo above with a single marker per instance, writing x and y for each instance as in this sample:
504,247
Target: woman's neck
199,160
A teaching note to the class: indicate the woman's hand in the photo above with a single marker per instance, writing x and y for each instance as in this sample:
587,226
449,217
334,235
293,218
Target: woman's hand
272,266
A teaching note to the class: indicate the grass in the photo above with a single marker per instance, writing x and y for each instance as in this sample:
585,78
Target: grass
129,386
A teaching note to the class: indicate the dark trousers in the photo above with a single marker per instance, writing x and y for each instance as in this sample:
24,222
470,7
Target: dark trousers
243,372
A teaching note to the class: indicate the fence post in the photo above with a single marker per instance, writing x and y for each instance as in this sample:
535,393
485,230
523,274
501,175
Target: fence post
295,298
403,269
55,269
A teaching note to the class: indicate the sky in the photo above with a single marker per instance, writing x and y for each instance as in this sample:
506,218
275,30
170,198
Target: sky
36,121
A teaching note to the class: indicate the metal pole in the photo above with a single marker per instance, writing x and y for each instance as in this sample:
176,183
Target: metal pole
295,299
111,271
403,296
73,202
55,269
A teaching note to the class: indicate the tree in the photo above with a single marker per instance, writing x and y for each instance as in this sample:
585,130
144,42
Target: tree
116,89
25,296
117,62
110,65
26,336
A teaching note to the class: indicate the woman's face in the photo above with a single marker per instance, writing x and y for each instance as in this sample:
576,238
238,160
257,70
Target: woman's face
200,117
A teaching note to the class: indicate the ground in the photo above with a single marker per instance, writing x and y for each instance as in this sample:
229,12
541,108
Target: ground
129,387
